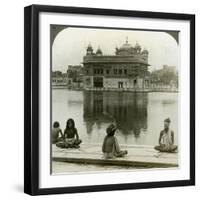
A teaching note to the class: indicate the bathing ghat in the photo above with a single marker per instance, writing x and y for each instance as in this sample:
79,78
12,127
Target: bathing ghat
138,156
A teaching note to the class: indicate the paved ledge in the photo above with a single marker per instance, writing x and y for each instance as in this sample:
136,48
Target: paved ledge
142,90
147,90
138,156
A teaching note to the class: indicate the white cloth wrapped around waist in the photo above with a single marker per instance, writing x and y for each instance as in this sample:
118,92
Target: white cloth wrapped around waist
167,138
70,140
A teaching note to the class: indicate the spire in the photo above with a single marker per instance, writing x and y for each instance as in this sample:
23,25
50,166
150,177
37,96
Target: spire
137,47
145,51
126,39
99,52
89,49
89,46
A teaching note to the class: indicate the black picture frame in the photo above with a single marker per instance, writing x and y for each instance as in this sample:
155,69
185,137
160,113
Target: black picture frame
31,98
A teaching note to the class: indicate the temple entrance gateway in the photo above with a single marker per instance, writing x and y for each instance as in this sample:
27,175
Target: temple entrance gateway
120,84
98,82
135,83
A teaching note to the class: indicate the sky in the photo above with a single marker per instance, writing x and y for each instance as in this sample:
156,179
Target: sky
70,45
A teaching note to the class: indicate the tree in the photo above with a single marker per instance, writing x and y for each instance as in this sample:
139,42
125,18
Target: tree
164,77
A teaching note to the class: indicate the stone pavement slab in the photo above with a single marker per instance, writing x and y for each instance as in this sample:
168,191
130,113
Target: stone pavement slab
138,156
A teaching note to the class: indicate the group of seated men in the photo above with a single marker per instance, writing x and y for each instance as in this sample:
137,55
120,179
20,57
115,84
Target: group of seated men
110,146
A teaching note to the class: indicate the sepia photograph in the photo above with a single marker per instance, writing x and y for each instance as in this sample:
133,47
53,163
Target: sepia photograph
109,100
114,99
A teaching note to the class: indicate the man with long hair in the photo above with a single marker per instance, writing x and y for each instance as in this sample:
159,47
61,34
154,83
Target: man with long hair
166,139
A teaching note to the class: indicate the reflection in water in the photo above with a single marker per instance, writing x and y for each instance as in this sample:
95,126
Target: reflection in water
127,110
138,116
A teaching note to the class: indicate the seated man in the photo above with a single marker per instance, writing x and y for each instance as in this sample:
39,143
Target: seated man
57,134
110,146
71,137
166,139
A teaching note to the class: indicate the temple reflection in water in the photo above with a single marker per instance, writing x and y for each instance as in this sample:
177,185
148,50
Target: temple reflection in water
127,110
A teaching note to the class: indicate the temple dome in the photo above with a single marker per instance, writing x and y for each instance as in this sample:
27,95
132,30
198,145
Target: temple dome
125,49
99,52
145,51
137,46
126,46
89,48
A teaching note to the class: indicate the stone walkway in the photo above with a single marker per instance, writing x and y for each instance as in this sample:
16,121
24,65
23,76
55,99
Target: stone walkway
138,156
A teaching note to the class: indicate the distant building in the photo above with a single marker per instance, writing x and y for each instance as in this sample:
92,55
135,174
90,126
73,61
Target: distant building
127,69
75,76
167,77
75,72
59,78
169,68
